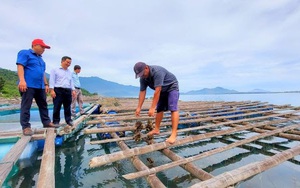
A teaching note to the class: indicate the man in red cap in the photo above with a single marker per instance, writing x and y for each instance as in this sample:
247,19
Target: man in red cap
33,84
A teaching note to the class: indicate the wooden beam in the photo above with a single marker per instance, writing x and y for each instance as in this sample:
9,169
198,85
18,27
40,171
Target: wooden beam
138,164
234,176
47,173
11,157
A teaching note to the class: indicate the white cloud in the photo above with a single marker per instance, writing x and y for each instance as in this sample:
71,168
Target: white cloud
240,45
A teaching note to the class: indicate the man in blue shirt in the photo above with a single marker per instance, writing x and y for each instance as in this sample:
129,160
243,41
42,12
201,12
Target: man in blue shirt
33,84
62,90
166,95
78,96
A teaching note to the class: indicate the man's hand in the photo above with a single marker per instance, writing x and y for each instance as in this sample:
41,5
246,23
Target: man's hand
47,89
151,112
73,93
137,112
22,86
53,94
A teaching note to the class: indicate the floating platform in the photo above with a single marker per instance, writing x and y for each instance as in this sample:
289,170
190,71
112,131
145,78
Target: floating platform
245,125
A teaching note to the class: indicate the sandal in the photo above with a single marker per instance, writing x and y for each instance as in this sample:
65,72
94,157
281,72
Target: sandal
68,129
27,131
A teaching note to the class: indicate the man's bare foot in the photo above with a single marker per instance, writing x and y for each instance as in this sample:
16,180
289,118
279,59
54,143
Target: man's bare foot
171,139
153,132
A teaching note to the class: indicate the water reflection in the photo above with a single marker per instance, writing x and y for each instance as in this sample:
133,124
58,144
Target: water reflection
68,161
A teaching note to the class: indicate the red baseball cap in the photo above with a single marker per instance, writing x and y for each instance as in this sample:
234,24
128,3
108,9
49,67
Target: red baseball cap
40,42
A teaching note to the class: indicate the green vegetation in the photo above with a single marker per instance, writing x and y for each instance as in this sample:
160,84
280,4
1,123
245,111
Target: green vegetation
8,83
87,93
9,86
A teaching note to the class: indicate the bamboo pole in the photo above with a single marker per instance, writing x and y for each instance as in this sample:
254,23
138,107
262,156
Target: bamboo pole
247,171
243,121
196,120
291,132
206,154
199,109
187,105
109,129
198,115
61,131
190,167
46,175
283,135
139,165
98,161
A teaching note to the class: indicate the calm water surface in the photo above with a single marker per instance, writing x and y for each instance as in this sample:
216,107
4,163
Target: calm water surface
272,98
73,157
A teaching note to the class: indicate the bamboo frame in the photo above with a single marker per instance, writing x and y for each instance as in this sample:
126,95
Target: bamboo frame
99,161
208,153
229,178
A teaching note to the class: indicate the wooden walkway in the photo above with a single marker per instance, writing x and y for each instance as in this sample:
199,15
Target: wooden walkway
208,119
46,175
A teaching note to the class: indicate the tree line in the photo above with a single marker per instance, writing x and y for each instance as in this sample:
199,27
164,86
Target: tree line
9,84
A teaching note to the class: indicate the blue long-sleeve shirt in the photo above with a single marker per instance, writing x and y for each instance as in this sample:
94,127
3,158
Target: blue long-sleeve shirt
76,80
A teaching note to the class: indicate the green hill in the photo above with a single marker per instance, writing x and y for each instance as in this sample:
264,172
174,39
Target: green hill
8,83
9,86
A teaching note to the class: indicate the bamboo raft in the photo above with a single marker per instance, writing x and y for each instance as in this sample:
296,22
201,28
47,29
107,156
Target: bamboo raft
199,122
46,178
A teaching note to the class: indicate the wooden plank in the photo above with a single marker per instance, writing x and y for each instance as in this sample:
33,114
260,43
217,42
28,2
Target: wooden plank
229,178
5,168
46,175
12,156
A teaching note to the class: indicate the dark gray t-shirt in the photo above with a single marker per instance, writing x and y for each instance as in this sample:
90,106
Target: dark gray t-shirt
159,76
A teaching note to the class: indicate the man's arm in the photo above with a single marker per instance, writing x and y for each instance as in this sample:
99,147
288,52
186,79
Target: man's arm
46,83
154,101
142,96
22,83
52,83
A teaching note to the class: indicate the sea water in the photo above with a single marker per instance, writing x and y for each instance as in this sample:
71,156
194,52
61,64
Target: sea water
73,157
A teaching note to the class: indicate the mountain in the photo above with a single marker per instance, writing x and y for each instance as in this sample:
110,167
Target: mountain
259,91
8,87
216,90
108,88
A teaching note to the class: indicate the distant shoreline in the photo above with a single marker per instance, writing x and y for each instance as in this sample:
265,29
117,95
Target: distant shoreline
14,103
268,92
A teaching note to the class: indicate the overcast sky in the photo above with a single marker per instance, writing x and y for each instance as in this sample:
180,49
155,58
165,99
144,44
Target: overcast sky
235,44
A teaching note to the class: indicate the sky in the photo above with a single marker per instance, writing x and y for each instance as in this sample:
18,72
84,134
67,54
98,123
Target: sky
235,44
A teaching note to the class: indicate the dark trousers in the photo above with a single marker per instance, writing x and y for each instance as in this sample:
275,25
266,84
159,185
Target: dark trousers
40,98
63,97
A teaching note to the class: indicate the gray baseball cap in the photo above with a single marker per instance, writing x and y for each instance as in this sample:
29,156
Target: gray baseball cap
139,68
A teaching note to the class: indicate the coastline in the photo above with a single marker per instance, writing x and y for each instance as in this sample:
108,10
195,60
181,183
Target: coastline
14,102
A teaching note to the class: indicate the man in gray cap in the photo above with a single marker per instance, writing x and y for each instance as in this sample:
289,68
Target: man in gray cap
166,95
